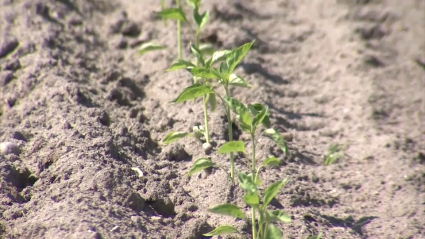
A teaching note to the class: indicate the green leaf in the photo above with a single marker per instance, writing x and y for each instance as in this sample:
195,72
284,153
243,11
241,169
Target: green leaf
241,112
277,138
224,71
228,210
173,13
271,192
246,183
259,117
277,215
174,136
212,101
221,230
271,161
194,3
201,164
217,57
232,146
235,106
192,92
206,49
198,131
252,199
272,232
148,47
180,64
237,55
236,80
200,20
320,236
198,54
257,107
206,73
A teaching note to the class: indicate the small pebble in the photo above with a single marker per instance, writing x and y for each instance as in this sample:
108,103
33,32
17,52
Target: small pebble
9,148
207,148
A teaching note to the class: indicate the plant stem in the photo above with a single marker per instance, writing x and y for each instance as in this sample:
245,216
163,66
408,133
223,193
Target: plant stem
207,133
253,178
253,157
253,223
179,35
230,129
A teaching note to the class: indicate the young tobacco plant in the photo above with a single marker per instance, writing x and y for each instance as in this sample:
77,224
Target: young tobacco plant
205,71
250,118
262,225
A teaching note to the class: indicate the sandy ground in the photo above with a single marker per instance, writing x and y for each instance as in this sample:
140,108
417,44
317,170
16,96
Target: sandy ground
81,108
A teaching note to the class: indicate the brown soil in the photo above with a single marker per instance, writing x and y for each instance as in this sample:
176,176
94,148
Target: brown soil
82,108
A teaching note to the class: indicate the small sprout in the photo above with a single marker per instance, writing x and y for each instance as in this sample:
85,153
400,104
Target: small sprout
149,46
334,154
232,147
138,171
192,92
320,236
272,191
174,136
180,64
277,215
201,164
222,230
272,232
228,210
236,80
173,14
277,138
201,19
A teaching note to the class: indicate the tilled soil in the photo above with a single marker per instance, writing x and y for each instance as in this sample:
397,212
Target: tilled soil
79,108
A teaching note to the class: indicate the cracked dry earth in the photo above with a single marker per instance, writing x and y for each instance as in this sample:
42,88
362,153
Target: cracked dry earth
80,108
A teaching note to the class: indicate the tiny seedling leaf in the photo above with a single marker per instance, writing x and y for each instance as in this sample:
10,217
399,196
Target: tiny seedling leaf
198,54
212,101
192,92
198,131
320,236
257,107
277,138
272,232
180,64
217,57
206,49
232,146
149,46
200,20
236,80
136,169
259,117
173,13
271,161
206,73
246,183
277,215
194,3
200,164
228,210
252,199
174,136
235,106
271,192
221,230
237,55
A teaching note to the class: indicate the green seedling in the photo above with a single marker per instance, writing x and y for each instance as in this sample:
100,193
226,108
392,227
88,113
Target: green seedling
334,154
320,236
205,70
262,225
